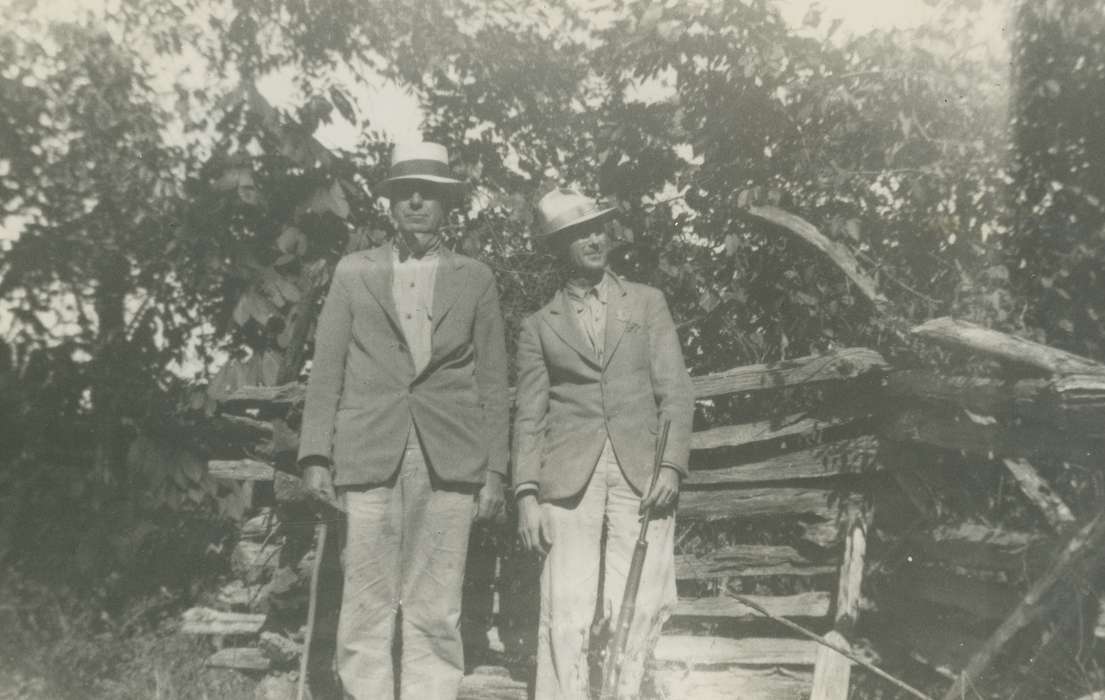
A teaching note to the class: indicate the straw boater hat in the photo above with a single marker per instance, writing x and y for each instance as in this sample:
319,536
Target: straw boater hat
426,161
563,208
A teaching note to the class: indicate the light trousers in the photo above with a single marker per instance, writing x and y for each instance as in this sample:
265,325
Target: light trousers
570,582
406,546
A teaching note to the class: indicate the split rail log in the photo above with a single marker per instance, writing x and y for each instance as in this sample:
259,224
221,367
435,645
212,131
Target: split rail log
209,621
1008,348
241,658
980,598
985,395
979,546
749,651
1036,490
985,436
809,604
836,252
1085,544
744,683
844,364
828,459
839,365
1073,403
749,560
832,671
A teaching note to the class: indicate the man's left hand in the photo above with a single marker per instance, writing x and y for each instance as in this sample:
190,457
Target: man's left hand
665,492
490,502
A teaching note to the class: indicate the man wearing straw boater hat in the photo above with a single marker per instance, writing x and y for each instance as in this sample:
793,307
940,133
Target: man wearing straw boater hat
599,370
407,416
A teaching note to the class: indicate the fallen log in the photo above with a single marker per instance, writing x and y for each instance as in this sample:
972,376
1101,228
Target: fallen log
1008,348
1084,544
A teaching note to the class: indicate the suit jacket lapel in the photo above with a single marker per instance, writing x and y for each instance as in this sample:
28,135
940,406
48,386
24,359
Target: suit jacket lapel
377,278
617,314
561,318
450,281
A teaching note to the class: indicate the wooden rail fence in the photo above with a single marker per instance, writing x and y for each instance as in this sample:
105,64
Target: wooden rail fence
816,478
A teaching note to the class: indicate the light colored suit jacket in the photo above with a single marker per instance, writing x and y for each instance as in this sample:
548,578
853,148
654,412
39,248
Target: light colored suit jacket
363,394
567,402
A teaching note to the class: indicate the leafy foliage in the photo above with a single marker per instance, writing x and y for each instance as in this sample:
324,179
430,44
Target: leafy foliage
1059,186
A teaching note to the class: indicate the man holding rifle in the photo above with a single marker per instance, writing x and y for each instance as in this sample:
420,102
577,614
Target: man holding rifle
600,370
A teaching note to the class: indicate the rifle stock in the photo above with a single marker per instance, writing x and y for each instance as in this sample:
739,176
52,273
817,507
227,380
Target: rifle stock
616,653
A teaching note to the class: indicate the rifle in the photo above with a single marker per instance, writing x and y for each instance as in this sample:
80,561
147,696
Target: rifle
615,656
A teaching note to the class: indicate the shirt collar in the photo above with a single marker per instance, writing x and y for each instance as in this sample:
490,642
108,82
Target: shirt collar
401,253
602,289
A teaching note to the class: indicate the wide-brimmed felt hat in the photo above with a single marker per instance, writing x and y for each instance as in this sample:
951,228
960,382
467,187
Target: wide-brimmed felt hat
564,208
426,161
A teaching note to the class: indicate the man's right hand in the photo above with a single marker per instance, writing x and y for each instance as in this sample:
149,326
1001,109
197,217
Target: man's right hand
317,479
532,529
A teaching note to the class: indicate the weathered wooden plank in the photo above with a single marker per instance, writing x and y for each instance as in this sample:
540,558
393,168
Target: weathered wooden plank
763,431
829,459
753,502
252,561
243,427
977,545
491,683
726,684
982,598
809,604
843,364
986,436
209,621
284,396
837,253
1009,348
237,594
241,658
832,671
279,649
847,363
748,651
1086,543
1040,493
240,469
749,560
979,394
